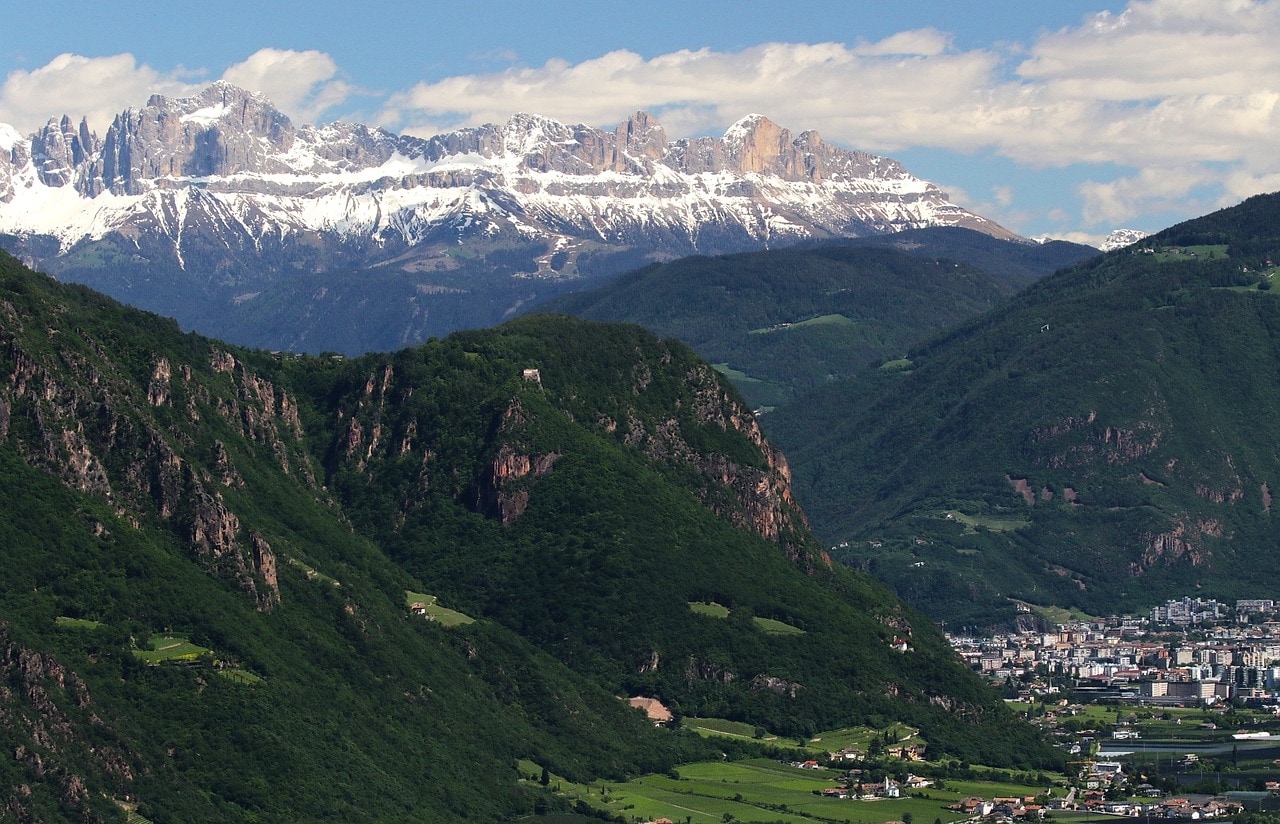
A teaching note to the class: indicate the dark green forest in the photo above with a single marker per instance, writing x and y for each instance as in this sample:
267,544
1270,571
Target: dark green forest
271,512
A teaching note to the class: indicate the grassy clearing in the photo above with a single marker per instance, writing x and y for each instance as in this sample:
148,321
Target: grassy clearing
432,611
821,320
1057,615
773,627
77,623
769,625
712,609
170,648
735,375
971,522
313,575
240,676
860,737
721,726
1183,253
899,365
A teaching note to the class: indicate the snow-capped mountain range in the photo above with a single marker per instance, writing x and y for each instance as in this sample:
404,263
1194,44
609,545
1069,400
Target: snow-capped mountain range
220,200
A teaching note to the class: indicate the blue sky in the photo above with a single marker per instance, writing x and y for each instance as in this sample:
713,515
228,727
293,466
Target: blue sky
1065,119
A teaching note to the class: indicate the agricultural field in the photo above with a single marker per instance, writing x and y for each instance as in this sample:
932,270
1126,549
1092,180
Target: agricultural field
1183,253
735,375
432,611
761,790
312,574
166,648
77,623
773,627
994,524
170,648
768,625
713,609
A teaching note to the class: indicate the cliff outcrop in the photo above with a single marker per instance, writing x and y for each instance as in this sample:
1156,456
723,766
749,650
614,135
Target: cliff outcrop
131,435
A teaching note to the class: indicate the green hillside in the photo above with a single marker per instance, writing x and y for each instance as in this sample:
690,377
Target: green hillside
212,558
782,322
1103,441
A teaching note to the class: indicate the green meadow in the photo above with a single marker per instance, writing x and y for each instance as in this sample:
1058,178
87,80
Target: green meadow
435,612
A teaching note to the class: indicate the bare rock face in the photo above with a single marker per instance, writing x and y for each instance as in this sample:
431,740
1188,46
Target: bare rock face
222,131
94,427
501,493
57,710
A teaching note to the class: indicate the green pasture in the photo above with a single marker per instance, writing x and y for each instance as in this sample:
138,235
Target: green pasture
312,574
435,612
735,375
860,737
1057,615
1184,253
899,365
711,609
77,623
722,726
756,790
769,625
992,523
821,320
170,648
240,676
773,627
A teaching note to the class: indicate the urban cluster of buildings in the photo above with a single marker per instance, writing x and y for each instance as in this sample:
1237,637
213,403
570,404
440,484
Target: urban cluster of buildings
1184,651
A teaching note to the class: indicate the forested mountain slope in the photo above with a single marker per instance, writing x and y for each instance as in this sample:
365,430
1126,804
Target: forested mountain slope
211,555
784,321
1104,440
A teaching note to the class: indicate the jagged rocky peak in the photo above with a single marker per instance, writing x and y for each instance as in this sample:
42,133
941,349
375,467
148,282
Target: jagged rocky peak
224,130
642,136
756,144
59,148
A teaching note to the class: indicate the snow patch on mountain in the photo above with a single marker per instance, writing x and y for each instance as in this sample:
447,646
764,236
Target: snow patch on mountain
1120,238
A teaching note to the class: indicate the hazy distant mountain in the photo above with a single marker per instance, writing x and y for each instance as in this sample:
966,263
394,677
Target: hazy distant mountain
217,210
782,321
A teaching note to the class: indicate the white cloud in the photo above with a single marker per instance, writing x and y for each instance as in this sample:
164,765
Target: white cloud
1166,99
302,84
1166,82
1155,188
872,100
98,88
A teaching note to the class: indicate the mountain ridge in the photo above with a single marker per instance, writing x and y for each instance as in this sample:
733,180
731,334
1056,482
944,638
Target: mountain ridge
1100,441
216,209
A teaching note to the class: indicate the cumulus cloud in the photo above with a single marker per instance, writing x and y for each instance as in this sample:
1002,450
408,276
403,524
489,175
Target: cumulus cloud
98,88
1188,87
876,96
303,84
1165,99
